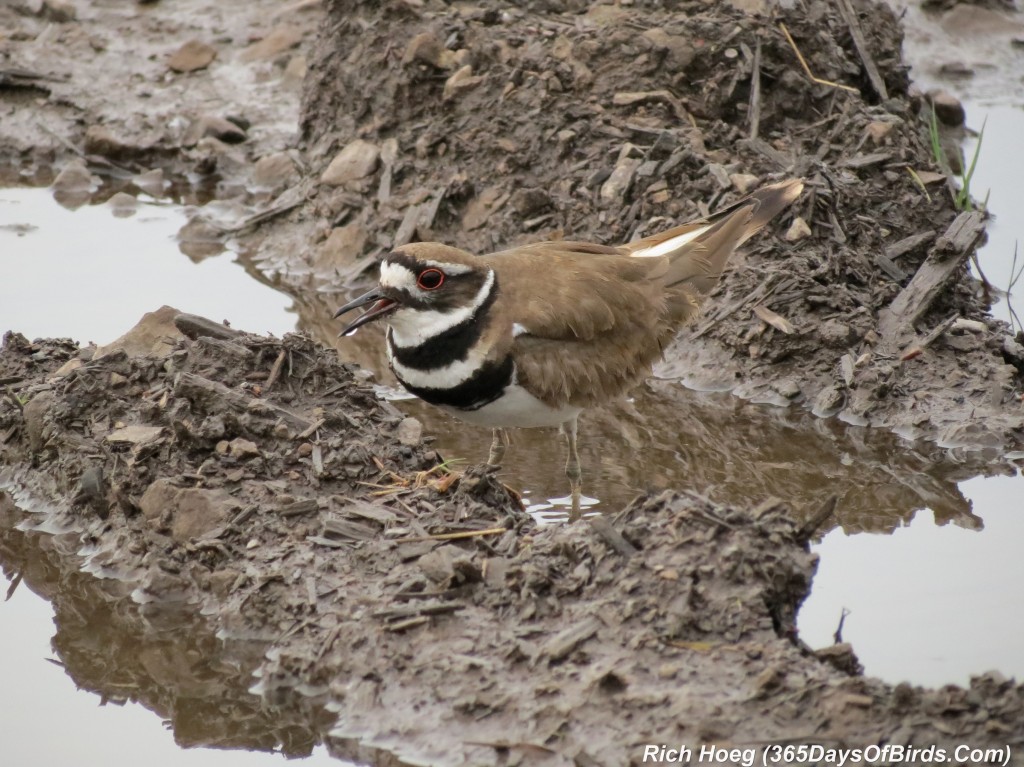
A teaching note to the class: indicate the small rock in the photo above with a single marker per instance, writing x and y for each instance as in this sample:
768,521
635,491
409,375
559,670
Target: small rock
274,173
214,127
342,247
478,210
410,431
680,50
948,109
154,335
877,131
192,56
462,81
34,415
355,161
243,448
797,231
189,511
101,140
438,565
277,41
135,435
618,183
743,182
829,401
836,334
427,48
530,202
123,205
787,388
59,11
296,68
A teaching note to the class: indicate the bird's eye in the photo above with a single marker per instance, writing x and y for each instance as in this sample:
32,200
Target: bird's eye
430,279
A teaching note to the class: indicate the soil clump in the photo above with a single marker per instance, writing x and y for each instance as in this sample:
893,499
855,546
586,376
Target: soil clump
262,482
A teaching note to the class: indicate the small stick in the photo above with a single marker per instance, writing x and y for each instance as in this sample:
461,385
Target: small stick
838,636
453,536
275,371
807,69
861,44
811,526
755,92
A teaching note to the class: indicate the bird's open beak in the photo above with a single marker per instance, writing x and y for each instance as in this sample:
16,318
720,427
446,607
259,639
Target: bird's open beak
383,306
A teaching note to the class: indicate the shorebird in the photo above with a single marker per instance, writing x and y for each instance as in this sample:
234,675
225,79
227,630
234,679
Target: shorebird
531,336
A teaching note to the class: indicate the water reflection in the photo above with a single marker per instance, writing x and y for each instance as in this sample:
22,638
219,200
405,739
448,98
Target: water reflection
714,443
162,658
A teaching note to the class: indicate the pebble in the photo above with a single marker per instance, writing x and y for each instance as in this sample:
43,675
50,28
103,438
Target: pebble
214,127
797,231
462,81
743,182
948,108
410,432
618,183
355,161
342,247
277,41
835,334
274,173
192,56
427,48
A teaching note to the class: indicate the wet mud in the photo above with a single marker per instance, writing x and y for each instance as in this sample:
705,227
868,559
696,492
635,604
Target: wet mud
261,484
384,600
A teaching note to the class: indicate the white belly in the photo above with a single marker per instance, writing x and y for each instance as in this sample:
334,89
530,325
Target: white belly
516,408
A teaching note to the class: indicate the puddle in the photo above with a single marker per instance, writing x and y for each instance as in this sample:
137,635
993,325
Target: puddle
930,603
113,664
90,275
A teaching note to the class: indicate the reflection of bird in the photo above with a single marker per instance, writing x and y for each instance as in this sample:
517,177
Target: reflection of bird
533,335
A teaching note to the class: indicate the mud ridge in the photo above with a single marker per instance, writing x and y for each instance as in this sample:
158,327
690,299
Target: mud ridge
263,482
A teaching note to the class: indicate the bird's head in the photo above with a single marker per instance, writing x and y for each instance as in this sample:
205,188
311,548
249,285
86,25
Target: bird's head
425,288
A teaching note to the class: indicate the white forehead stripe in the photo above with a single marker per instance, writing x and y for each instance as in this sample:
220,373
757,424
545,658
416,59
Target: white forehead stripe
412,327
397,276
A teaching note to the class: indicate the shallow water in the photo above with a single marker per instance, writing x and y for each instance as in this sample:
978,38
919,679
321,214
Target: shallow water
920,552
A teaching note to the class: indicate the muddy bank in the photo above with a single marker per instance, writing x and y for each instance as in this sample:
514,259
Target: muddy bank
486,127
261,483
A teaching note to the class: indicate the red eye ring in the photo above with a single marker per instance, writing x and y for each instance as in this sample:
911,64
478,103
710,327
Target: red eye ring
430,279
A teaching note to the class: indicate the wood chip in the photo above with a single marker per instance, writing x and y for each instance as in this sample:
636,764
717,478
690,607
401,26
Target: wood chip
774,319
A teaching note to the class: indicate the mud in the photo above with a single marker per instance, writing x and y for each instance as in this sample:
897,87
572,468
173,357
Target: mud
261,482
431,613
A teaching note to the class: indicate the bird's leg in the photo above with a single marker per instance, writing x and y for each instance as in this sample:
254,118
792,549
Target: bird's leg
572,468
499,444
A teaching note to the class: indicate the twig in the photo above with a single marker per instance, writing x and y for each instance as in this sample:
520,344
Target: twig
861,44
453,536
754,112
807,69
838,636
810,527
275,371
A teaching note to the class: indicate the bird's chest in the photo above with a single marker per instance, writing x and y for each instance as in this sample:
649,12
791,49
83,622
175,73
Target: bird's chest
472,386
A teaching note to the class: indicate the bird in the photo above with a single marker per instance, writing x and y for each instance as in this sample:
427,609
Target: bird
532,336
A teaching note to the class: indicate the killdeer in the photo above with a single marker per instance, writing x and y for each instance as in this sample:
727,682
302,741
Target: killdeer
532,336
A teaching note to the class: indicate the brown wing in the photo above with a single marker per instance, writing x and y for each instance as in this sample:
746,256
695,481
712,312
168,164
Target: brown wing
584,325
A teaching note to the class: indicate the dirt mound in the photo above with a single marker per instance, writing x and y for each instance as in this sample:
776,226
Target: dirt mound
263,481
486,126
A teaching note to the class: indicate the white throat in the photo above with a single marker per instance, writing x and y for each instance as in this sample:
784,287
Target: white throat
412,327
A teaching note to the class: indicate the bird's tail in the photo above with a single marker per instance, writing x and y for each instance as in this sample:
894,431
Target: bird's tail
698,251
